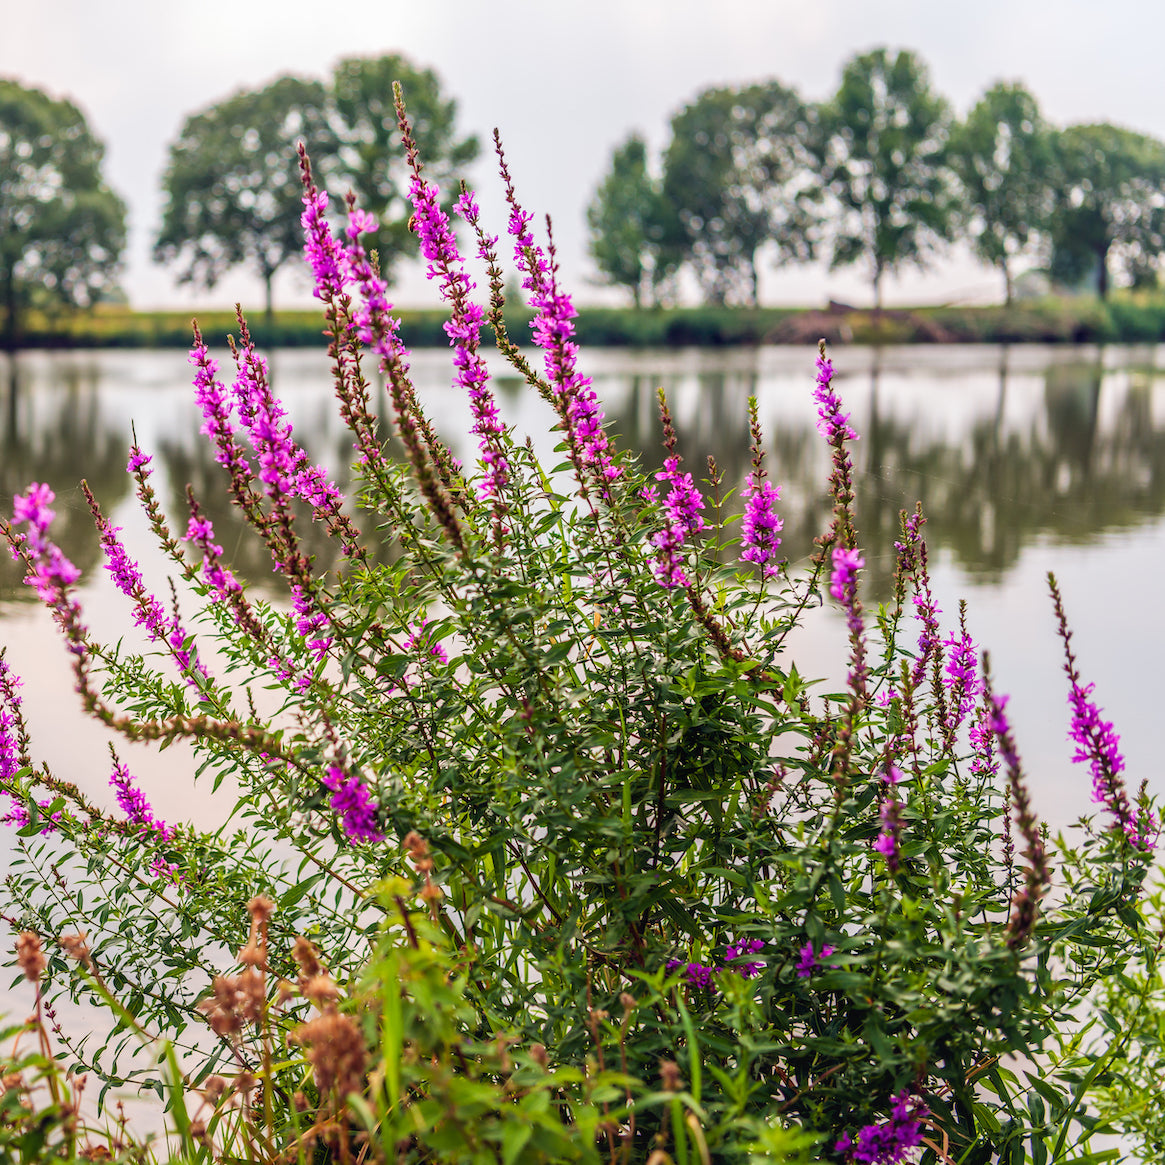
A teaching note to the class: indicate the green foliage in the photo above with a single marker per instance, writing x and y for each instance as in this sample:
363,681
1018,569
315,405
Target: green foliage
1003,156
629,224
62,230
1110,207
734,174
884,159
232,183
545,860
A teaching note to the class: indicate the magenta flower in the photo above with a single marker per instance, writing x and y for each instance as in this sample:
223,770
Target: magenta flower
843,580
134,804
961,677
810,960
890,1141
1097,743
222,583
148,611
325,257
737,950
553,332
439,247
350,801
697,974
681,520
760,525
832,423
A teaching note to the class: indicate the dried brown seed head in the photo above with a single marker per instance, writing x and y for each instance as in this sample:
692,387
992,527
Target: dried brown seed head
307,958
670,1079
29,956
75,946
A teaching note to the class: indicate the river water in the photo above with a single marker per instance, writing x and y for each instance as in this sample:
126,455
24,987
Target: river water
1026,460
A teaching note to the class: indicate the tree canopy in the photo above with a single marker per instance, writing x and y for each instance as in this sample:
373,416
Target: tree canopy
884,160
735,175
232,186
62,230
1110,205
369,157
631,224
1003,155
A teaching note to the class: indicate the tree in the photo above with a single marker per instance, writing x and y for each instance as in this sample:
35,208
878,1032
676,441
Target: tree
1004,158
62,230
883,155
1110,204
232,186
630,224
369,155
735,174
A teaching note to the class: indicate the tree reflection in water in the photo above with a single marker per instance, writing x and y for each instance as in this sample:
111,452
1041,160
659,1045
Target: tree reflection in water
1002,447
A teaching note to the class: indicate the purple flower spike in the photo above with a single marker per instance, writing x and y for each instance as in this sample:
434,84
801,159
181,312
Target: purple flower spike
682,519
351,802
697,974
134,804
553,331
1098,745
890,1141
832,423
843,581
439,247
324,255
810,960
761,524
740,948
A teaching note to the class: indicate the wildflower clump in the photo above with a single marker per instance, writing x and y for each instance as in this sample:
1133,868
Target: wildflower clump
549,850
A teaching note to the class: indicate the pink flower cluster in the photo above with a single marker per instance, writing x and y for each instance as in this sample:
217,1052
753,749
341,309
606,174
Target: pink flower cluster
887,1142
682,520
554,334
761,524
700,976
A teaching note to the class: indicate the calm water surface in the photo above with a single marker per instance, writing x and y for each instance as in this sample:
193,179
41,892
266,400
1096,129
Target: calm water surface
1025,460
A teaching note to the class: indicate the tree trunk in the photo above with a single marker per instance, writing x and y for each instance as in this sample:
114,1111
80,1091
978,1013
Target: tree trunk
269,316
1102,272
755,280
11,314
878,288
1008,285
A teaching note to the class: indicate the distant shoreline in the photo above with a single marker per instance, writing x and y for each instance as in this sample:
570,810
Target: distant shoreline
1123,318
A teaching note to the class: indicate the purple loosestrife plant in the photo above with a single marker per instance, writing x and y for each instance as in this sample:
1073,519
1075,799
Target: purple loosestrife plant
760,525
1097,743
506,837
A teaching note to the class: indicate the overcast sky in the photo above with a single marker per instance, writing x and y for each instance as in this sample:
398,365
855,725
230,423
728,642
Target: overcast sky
565,80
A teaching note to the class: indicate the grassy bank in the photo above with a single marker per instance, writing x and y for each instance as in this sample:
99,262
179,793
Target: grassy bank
1124,318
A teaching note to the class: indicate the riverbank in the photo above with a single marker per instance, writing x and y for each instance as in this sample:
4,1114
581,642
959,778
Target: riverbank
1123,318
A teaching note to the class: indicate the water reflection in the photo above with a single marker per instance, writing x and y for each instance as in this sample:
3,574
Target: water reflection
1000,455
59,436
1002,447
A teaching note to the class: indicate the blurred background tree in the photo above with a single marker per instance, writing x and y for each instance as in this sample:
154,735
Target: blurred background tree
884,159
633,228
62,230
232,186
1109,211
1003,154
736,176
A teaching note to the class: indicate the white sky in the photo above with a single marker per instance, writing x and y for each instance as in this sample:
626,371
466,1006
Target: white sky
565,80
